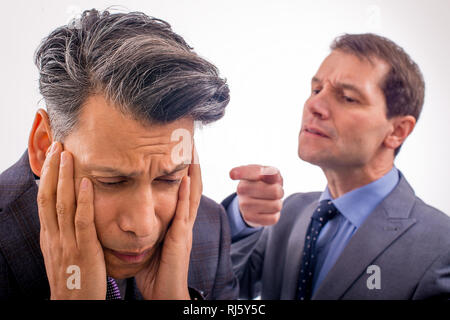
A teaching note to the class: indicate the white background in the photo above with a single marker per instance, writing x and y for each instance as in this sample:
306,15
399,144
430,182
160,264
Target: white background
268,51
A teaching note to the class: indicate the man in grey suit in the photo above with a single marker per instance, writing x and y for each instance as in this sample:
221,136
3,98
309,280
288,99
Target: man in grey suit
367,236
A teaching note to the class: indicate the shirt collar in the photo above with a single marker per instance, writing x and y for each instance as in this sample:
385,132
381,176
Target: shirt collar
357,204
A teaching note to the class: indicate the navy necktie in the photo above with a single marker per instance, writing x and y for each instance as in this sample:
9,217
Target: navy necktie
112,289
324,212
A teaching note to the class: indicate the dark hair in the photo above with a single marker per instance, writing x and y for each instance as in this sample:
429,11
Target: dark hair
136,61
403,86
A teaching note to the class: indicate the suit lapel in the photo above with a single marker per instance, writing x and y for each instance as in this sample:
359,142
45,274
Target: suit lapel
19,239
294,252
383,226
132,292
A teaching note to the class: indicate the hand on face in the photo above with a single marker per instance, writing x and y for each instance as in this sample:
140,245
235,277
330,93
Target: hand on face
171,276
259,191
68,236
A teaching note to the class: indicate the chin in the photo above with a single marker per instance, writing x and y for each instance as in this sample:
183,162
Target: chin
315,158
124,272
306,154
119,270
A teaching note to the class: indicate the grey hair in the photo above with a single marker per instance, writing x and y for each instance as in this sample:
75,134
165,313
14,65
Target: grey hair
137,62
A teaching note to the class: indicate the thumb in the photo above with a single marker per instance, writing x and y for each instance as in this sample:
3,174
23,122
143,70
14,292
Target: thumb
271,175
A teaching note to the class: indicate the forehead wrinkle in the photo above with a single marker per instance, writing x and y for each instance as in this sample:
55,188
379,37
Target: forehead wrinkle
130,162
160,148
111,170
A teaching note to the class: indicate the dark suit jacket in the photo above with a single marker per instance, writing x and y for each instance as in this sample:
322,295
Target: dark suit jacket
407,239
22,269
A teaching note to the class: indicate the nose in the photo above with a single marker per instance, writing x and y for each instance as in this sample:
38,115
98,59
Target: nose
319,104
138,215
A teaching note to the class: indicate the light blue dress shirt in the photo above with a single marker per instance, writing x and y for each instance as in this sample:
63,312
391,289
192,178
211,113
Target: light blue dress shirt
354,207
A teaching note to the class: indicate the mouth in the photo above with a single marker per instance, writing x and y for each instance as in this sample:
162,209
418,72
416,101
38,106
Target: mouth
130,257
315,132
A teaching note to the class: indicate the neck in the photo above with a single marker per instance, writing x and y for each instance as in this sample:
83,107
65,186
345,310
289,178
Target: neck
343,180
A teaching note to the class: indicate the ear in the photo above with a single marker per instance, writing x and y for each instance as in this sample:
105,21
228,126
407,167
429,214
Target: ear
39,141
402,126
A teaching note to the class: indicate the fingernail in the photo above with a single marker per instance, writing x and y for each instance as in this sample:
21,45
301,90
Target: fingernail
233,173
84,184
268,171
63,158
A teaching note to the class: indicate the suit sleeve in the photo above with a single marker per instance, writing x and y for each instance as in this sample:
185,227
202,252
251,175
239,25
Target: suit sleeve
247,256
4,279
435,283
226,286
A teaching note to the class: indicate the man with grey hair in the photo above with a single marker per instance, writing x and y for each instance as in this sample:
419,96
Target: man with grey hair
102,204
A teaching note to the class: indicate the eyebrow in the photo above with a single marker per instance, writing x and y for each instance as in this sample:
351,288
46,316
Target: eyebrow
179,167
342,85
120,173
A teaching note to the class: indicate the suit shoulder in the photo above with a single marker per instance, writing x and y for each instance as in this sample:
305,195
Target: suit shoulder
432,221
210,211
14,181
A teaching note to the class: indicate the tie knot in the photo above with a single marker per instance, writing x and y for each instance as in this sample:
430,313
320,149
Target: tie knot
325,211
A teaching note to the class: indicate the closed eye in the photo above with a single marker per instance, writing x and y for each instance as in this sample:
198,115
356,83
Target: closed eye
349,99
112,183
168,181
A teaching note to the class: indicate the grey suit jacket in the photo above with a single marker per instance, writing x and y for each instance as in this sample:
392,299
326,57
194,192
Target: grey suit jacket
407,239
22,269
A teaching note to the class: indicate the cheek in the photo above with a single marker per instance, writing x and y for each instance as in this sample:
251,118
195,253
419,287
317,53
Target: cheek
105,208
165,204
361,133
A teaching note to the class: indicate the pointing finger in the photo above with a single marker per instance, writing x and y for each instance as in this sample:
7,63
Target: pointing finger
256,173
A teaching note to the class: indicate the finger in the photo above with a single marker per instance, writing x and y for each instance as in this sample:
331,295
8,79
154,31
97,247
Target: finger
259,206
180,226
256,172
84,217
260,190
259,220
271,175
196,187
65,200
250,172
182,210
48,182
